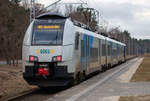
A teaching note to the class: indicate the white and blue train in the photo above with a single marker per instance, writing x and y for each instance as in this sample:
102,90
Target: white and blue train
56,51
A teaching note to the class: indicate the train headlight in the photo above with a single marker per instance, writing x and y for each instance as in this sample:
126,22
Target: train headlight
33,58
57,59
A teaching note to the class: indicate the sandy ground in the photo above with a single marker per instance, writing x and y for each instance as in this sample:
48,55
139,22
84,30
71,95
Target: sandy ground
111,98
11,81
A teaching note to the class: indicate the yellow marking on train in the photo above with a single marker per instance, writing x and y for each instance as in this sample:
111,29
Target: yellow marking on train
57,27
48,27
40,27
38,51
52,51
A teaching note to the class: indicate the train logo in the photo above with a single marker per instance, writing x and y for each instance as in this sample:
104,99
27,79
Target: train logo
44,51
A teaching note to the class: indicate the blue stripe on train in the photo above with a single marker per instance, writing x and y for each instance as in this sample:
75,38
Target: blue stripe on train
83,59
91,39
85,48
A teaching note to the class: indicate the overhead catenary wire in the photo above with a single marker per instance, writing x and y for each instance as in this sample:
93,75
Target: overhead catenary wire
50,5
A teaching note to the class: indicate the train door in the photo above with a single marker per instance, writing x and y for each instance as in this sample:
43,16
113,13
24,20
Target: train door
117,53
103,56
106,48
87,53
124,53
100,52
111,52
84,53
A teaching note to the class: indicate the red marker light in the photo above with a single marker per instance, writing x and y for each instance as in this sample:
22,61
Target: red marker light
40,71
43,71
31,58
58,58
46,72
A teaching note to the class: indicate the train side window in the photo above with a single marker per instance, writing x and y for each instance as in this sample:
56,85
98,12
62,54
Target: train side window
103,48
100,47
82,48
77,41
108,49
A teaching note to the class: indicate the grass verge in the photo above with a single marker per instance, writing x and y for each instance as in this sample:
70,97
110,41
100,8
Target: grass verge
143,72
135,98
12,82
142,75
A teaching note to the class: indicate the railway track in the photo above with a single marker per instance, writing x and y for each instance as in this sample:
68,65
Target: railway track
36,94
18,95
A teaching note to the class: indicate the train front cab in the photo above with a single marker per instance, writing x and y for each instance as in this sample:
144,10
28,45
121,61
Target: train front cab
47,52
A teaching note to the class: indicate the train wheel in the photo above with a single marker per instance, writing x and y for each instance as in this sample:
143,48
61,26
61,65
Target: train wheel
84,76
77,80
109,66
103,68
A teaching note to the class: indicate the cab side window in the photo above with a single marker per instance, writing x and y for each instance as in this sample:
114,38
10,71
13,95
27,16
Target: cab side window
77,41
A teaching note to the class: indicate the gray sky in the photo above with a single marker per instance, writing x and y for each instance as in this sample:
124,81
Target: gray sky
132,15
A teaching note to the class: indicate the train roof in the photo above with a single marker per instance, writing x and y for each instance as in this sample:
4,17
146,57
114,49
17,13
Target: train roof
90,33
87,32
51,16
112,40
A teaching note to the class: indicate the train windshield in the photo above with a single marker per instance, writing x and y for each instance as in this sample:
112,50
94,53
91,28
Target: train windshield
47,34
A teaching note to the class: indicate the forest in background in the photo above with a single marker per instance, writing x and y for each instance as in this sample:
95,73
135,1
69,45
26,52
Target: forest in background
14,20
13,24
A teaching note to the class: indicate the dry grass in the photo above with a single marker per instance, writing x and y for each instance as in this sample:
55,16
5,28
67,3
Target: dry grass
143,72
141,75
11,81
134,98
